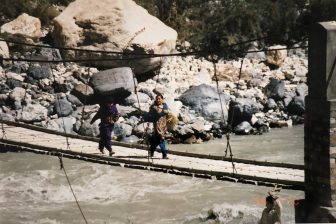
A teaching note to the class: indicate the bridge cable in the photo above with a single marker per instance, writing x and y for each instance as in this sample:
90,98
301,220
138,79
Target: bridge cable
72,191
85,98
2,123
228,146
143,124
133,58
60,107
143,54
26,90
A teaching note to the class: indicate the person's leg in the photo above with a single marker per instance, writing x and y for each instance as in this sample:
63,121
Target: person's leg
163,148
102,139
154,142
108,142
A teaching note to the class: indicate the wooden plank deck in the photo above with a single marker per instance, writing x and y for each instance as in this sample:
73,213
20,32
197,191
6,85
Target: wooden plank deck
26,139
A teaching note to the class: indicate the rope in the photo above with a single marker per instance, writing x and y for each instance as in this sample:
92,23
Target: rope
72,191
60,106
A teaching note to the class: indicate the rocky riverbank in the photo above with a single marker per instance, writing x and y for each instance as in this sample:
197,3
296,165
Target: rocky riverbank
62,96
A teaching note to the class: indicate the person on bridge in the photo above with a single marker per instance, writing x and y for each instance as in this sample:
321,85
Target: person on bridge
271,214
159,110
108,115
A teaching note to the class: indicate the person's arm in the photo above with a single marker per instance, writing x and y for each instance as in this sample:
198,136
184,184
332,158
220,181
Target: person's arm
115,112
96,116
165,109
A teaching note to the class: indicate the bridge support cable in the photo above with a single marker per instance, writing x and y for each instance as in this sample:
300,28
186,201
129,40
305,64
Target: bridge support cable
228,146
72,191
145,134
85,98
2,124
60,106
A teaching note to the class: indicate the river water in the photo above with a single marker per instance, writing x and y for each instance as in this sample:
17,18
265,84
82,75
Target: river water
33,189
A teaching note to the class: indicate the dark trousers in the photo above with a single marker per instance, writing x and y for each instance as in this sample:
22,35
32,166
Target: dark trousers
105,136
156,141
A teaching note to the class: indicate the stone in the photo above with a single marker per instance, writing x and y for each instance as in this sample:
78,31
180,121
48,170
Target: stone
190,140
114,83
64,124
130,139
133,99
38,72
32,113
17,94
24,28
242,109
74,100
276,57
4,51
205,101
85,128
83,92
12,83
275,89
62,107
297,106
227,72
122,130
243,128
109,25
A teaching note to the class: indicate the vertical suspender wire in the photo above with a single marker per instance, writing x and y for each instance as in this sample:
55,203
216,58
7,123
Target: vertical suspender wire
143,124
2,124
25,94
60,106
85,98
228,146
72,191
234,170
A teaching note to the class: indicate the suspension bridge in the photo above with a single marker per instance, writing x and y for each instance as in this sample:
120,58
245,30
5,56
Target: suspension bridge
23,137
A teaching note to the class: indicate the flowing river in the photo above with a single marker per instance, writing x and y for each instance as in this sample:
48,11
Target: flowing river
33,189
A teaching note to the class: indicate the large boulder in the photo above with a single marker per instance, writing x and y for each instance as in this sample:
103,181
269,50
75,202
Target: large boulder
227,72
24,28
204,100
275,89
276,55
116,83
111,25
242,109
32,113
83,92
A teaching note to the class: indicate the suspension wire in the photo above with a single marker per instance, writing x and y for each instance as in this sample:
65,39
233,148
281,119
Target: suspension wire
139,54
60,107
135,58
228,146
143,124
85,98
228,134
72,191
237,87
26,90
2,124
